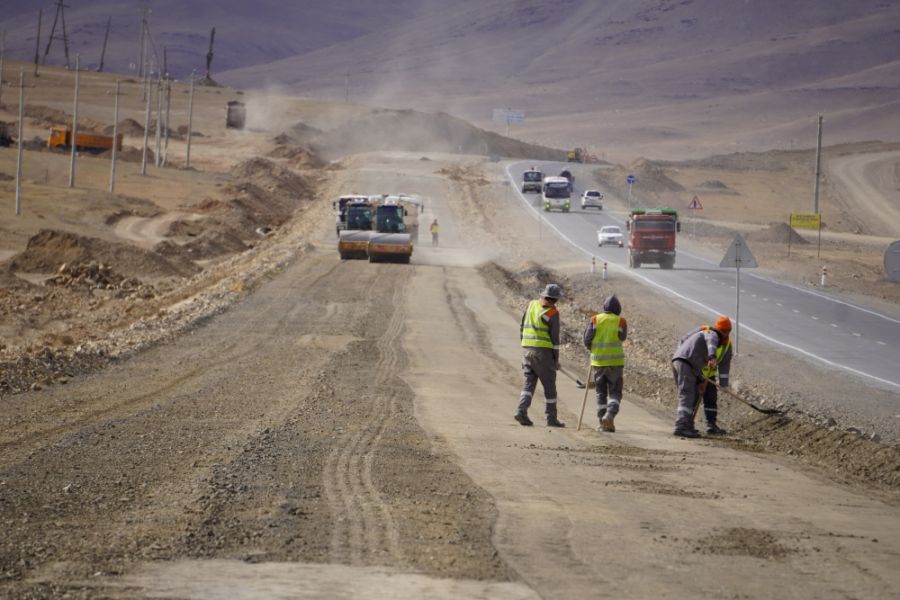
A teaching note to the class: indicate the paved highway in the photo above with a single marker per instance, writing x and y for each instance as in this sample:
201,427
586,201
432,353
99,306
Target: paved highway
827,330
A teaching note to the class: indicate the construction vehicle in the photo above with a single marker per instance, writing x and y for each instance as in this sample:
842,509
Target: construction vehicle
575,155
651,236
557,194
61,138
391,240
532,181
235,115
354,237
340,207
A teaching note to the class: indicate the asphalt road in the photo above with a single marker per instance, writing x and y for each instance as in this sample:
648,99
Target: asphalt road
829,331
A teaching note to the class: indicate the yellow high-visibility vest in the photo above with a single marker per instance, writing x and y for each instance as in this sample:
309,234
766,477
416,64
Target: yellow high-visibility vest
535,332
606,347
720,352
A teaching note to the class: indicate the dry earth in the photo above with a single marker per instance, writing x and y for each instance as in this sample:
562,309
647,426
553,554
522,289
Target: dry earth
284,424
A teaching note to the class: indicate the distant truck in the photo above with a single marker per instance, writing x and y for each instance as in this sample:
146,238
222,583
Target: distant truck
557,194
235,115
532,181
576,155
651,237
61,138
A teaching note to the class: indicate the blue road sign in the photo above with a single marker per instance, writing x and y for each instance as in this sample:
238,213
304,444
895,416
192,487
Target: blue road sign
631,179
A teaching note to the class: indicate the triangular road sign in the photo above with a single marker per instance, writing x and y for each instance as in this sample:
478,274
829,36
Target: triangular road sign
738,255
695,203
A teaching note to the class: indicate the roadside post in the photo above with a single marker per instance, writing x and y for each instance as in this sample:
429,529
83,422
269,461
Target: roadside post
694,205
190,126
112,168
593,264
630,181
74,124
737,256
146,134
19,155
604,271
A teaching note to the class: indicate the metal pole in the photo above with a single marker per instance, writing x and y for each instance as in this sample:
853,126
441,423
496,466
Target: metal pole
21,135
2,52
168,114
146,135
818,167
190,123
115,148
74,123
737,312
629,196
159,94
347,88
105,40
37,42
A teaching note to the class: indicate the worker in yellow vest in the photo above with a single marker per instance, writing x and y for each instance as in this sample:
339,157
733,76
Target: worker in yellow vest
719,373
696,350
603,336
434,233
539,333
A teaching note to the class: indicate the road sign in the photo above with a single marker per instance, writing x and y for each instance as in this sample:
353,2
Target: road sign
631,179
695,204
806,221
738,255
892,262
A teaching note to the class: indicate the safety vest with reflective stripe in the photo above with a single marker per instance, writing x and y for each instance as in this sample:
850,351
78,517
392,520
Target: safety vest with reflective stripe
535,331
710,372
606,347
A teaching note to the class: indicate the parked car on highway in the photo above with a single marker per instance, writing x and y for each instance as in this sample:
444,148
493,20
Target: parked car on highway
592,199
610,234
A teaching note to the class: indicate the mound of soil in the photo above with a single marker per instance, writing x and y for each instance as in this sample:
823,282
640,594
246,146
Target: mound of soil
209,243
99,276
300,157
46,116
651,176
412,131
128,127
299,133
9,281
713,184
47,251
777,232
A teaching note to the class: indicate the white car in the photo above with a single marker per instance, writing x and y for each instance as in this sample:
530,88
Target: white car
610,234
592,199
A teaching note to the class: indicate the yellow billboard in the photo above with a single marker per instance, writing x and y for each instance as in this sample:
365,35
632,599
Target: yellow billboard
806,221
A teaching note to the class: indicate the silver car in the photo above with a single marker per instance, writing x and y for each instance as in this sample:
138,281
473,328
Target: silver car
610,234
592,199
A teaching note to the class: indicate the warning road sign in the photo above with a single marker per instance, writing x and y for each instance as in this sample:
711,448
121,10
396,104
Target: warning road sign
738,255
695,203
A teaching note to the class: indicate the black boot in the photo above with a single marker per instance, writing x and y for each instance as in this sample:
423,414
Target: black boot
552,421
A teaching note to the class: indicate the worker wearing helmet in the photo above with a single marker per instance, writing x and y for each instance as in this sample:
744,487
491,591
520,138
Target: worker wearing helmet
718,374
434,233
603,336
539,333
696,350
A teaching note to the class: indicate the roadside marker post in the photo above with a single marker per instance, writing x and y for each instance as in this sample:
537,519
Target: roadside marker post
823,279
604,270
738,255
593,264
112,168
19,155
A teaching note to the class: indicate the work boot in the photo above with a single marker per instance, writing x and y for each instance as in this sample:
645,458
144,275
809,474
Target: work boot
686,433
554,422
714,429
606,424
523,419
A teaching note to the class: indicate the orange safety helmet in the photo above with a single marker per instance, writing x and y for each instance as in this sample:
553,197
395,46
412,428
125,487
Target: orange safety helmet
723,325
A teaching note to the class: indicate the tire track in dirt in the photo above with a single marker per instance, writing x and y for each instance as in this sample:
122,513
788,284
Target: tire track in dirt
364,528
198,368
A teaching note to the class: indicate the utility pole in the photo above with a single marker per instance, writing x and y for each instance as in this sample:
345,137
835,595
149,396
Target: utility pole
146,134
190,123
818,167
115,148
105,40
74,123
60,15
347,88
37,43
2,53
159,94
142,63
168,114
209,55
19,154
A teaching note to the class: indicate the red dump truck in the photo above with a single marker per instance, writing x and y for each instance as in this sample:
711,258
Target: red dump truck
651,237
61,137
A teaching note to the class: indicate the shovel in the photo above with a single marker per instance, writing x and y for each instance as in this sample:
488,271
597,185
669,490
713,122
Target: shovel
765,411
578,383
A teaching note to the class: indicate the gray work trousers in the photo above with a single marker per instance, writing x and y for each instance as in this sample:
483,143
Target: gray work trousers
687,384
538,364
608,382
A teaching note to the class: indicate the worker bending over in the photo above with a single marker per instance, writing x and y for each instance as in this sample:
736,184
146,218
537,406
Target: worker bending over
603,336
539,333
719,374
696,350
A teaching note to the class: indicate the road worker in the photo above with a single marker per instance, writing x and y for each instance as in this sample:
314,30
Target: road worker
539,332
603,336
434,233
696,349
719,374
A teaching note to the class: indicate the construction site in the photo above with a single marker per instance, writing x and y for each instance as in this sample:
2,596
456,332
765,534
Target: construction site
235,361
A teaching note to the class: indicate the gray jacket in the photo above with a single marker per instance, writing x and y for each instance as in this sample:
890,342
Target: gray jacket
696,348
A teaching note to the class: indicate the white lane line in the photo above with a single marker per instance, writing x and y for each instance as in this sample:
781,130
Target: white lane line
834,324
795,310
715,311
857,334
779,304
880,343
815,318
